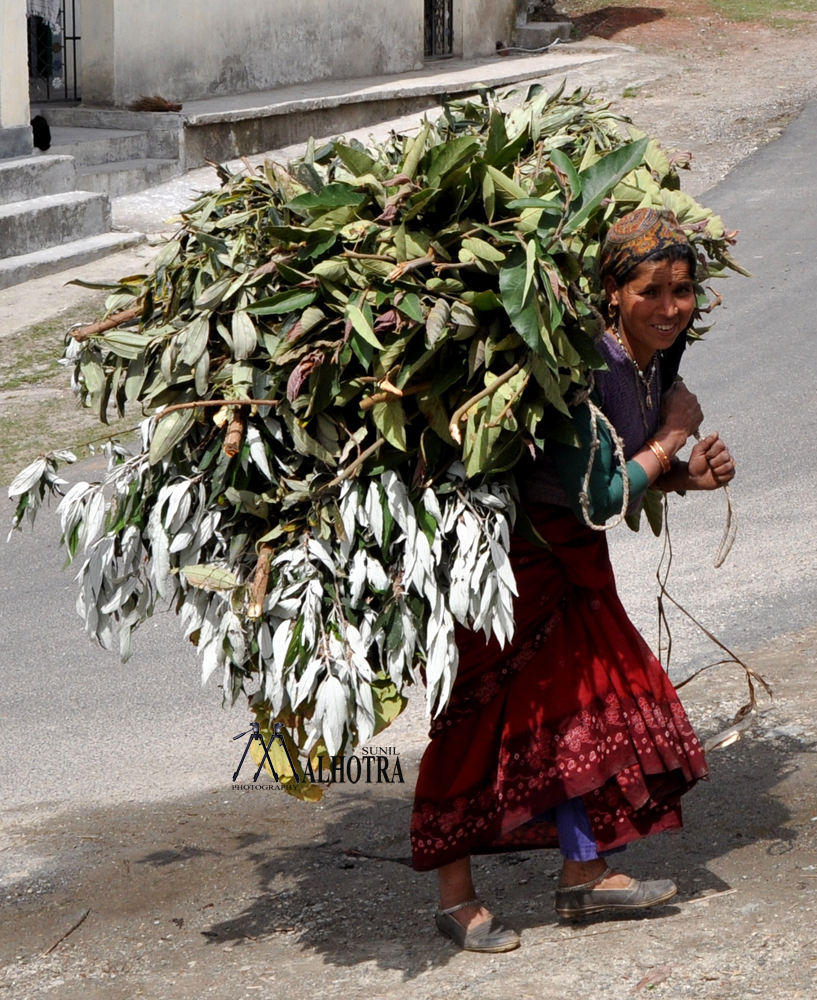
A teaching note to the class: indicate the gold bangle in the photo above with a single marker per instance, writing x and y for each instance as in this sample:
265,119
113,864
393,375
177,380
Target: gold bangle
661,455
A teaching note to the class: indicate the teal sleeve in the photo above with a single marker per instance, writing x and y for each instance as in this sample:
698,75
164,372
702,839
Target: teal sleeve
606,491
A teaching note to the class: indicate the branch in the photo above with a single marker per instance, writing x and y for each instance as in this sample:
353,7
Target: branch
235,433
260,580
391,392
353,466
367,256
216,402
453,427
86,332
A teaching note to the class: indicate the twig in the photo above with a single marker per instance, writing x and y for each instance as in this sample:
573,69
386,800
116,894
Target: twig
367,256
511,401
216,402
392,392
453,426
361,458
411,265
66,934
350,852
711,895
86,332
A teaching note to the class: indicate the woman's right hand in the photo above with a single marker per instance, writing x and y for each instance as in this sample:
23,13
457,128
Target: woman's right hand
681,416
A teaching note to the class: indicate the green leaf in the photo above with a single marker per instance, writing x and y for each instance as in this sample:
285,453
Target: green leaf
362,322
291,300
530,267
483,250
297,234
436,321
331,197
415,150
653,507
561,160
245,338
304,443
390,420
504,183
600,179
447,157
522,308
410,306
355,160
194,340
209,577
489,196
170,430
125,343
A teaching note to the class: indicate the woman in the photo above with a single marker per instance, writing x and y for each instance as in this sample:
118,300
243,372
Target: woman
574,736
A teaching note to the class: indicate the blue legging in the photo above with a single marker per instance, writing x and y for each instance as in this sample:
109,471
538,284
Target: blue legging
576,840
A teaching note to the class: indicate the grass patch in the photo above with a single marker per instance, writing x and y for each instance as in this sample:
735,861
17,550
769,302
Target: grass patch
31,356
43,414
766,11
33,429
775,13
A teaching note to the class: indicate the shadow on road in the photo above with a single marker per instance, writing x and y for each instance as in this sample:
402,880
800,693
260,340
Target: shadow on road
355,899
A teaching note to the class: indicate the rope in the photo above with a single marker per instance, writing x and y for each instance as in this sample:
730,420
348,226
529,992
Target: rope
584,500
746,713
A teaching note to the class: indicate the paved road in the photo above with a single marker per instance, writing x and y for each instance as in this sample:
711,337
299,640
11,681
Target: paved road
76,725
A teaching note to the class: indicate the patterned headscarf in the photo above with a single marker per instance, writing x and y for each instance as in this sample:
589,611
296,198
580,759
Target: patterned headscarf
638,236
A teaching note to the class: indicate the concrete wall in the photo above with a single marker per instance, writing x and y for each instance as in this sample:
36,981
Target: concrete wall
15,132
207,48
187,50
484,23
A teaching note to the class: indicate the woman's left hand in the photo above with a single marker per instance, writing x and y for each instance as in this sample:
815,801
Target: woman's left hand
710,464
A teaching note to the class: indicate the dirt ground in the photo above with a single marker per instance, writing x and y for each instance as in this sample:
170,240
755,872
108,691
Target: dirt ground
229,894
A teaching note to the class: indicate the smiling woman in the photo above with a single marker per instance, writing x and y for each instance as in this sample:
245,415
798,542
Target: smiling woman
655,306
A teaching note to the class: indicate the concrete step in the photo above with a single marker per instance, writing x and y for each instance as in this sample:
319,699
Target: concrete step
97,145
538,34
14,270
164,131
126,176
29,226
31,176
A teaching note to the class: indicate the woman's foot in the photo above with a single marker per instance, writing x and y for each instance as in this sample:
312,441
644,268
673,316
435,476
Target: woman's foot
464,919
605,889
580,872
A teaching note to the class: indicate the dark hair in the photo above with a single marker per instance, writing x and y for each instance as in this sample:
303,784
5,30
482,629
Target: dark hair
675,253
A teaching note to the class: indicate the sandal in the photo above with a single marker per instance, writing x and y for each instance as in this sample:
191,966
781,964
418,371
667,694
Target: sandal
491,935
579,900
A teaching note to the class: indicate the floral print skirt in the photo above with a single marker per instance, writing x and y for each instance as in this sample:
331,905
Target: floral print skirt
576,706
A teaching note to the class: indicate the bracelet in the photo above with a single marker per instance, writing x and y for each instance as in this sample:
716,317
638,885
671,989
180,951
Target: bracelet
661,455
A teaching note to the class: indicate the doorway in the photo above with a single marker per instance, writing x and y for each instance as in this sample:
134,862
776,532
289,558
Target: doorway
439,29
53,51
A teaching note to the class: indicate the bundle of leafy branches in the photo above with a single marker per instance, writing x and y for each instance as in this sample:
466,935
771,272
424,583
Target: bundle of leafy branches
340,364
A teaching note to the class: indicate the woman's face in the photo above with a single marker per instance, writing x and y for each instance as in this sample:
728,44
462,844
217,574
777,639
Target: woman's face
655,306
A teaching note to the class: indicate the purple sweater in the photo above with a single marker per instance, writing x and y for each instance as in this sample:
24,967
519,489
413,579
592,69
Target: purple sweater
623,400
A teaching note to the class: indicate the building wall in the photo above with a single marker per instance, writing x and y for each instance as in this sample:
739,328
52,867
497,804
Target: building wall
15,133
133,47
484,23
187,51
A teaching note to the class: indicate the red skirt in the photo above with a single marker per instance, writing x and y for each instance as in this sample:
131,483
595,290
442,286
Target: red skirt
576,706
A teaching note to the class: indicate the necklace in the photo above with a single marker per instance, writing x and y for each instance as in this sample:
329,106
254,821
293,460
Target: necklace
644,377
